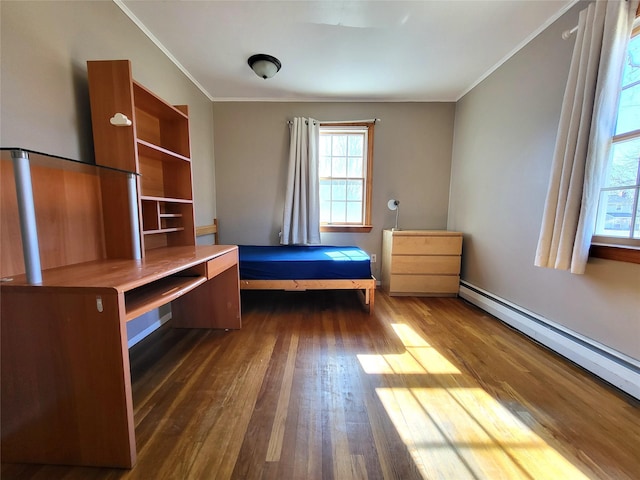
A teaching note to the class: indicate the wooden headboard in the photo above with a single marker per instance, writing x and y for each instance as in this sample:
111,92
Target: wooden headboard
209,230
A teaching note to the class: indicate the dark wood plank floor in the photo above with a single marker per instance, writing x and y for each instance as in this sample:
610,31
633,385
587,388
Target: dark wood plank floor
313,387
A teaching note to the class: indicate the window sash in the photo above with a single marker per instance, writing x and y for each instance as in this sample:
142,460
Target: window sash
342,223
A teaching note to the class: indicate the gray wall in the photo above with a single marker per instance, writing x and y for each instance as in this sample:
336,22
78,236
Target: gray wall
505,132
44,91
45,96
412,163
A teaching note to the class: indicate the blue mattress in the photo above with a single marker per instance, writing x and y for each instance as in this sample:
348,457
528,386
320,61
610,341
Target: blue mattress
293,262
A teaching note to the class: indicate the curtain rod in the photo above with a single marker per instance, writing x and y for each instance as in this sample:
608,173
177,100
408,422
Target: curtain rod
368,120
567,33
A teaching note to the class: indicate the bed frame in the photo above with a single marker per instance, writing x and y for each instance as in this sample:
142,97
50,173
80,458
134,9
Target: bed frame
366,286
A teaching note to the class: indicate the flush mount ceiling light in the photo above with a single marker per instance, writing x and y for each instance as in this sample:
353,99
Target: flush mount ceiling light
264,65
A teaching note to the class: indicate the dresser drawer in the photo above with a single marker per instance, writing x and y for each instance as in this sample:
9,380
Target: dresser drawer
427,245
424,284
431,264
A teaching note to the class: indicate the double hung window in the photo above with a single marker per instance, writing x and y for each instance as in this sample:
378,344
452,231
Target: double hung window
345,168
618,220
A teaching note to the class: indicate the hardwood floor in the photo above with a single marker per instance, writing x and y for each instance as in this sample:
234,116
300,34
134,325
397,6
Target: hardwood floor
313,387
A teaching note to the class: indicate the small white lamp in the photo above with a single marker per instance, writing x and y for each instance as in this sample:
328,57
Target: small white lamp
394,204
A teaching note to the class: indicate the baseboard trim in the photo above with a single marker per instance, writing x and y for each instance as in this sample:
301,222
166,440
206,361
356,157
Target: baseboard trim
149,330
613,367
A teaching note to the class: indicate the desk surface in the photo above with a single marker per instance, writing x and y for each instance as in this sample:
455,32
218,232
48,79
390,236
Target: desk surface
125,275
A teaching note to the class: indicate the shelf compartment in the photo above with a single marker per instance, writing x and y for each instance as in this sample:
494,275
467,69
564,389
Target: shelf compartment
163,175
147,100
163,230
149,297
150,216
163,214
164,239
166,200
167,222
158,153
171,223
160,123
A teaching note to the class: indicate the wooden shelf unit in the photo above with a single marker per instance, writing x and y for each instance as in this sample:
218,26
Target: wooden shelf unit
156,146
65,379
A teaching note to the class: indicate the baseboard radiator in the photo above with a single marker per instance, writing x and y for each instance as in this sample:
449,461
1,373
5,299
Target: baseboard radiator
614,367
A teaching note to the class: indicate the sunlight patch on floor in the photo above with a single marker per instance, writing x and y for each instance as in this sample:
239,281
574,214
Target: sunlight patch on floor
419,357
457,432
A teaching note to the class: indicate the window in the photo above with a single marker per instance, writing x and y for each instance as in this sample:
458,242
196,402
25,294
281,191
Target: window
345,167
618,220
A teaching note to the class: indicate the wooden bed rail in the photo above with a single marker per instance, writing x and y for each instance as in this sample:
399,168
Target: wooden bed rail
209,230
366,286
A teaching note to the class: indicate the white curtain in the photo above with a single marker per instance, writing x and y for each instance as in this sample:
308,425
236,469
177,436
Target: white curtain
587,123
301,217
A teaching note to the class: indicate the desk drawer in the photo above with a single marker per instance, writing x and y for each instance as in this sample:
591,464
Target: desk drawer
220,264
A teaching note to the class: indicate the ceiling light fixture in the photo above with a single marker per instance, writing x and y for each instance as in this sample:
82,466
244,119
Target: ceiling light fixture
264,65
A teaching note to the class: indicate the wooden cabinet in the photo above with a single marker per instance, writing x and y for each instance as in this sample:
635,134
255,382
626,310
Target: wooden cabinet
155,146
421,262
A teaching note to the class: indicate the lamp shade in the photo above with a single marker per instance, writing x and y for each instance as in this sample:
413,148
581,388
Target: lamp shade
265,66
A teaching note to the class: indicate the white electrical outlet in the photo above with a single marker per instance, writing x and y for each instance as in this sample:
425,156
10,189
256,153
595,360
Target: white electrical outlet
373,258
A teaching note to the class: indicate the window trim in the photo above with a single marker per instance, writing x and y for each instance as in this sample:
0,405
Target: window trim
366,225
604,247
619,253
346,228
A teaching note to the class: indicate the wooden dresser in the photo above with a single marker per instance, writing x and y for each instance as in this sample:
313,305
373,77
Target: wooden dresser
421,262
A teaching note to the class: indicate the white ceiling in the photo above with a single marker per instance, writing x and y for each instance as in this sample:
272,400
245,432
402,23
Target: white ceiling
342,50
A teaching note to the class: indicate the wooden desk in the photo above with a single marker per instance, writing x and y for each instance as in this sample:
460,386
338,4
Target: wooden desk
66,385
